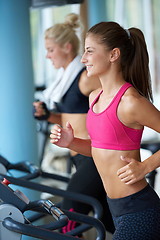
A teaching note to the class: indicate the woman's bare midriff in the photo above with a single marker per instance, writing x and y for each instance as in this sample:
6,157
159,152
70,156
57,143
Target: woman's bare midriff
107,163
78,122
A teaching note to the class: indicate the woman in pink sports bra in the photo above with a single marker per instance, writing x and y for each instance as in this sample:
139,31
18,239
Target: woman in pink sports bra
115,121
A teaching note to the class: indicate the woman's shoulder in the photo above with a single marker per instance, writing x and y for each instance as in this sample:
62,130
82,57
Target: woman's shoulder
88,84
134,105
130,100
94,94
133,98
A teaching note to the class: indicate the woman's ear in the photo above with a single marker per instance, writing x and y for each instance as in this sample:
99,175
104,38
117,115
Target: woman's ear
115,54
67,47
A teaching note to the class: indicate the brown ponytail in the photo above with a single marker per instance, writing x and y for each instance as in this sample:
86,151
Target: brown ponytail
134,58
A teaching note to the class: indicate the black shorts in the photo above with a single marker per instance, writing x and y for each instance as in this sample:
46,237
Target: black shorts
136,217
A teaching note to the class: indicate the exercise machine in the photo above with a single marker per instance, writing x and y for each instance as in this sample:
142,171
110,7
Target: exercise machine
13,224
33,172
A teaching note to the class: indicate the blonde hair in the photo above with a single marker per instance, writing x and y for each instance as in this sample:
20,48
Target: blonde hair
62,33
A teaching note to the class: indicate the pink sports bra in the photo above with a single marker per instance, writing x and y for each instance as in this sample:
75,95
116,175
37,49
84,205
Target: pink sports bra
107,131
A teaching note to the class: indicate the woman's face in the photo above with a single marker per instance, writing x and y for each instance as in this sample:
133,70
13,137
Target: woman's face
96,57
56,53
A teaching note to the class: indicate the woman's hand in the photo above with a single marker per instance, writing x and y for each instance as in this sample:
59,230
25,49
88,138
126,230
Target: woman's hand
62,137
40,110
134,171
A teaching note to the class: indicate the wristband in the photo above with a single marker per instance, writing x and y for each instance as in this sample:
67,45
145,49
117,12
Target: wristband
45,115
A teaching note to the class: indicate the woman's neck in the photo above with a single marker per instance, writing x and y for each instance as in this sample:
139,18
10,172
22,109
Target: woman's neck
69,59
111,82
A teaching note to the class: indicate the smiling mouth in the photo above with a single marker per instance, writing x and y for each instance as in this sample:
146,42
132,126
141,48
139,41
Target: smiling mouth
88,66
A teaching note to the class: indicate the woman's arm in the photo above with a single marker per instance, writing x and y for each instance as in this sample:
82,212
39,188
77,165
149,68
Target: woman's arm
145,114
55,118
135,170
64,137
41,112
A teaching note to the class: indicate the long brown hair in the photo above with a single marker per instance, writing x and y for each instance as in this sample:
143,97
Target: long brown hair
134,55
